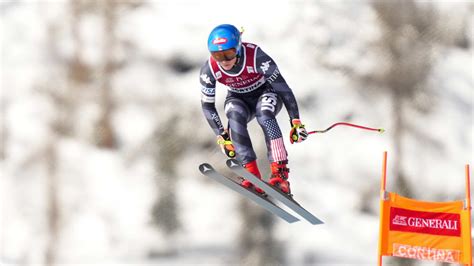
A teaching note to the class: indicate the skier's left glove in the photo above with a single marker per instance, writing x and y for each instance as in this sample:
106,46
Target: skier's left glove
226,144
297,133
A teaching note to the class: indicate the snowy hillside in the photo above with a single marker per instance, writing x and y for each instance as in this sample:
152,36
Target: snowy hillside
105,195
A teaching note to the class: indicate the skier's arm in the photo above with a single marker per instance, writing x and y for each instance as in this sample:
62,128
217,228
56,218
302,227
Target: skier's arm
269,69
208,94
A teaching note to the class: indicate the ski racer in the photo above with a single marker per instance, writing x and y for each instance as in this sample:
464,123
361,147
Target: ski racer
255,88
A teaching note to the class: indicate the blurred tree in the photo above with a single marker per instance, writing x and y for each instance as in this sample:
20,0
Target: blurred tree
257,243
59,100
104,135
79,74
52,194
104,132
168,148
406,54
65,98
407,50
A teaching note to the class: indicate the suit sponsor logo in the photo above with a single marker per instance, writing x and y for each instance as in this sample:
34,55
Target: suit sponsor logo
265,66
228,107
208,91
216,119
206,79
274,76
246,85
269,102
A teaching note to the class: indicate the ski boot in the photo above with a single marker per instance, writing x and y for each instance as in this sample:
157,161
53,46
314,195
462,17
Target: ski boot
279,177
253,169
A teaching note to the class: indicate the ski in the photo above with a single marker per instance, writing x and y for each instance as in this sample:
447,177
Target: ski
207,170
236,167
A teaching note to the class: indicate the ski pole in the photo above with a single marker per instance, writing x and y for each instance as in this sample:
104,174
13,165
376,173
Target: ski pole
380,130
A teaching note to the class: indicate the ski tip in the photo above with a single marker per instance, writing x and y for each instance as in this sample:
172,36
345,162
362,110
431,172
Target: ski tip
318,222
232,163
205,167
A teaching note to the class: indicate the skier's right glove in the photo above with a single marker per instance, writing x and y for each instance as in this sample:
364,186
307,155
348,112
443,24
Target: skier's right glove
226,144
297,133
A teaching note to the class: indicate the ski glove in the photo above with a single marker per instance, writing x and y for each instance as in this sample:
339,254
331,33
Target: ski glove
297,133
226,144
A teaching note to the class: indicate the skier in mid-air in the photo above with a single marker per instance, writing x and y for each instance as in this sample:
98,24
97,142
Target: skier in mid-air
255,88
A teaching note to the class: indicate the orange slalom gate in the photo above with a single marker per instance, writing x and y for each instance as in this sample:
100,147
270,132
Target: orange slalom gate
437,231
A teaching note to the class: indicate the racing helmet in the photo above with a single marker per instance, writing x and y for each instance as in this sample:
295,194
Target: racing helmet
224,37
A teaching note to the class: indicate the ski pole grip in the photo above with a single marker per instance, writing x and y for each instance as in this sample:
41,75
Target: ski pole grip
294,136
227,147
230,154
229,150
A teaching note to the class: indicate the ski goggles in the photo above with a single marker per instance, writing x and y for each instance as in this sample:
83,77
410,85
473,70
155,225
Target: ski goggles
225,55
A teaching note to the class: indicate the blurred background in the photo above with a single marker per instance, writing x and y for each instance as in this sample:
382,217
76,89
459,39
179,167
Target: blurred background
102,131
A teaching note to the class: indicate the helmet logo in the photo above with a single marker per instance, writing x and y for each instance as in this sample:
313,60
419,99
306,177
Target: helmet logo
219,40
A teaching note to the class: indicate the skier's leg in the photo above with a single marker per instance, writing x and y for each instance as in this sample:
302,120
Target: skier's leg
268,106
239,114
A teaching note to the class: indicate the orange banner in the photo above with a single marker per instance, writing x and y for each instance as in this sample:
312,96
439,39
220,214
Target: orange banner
422,230
436,231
